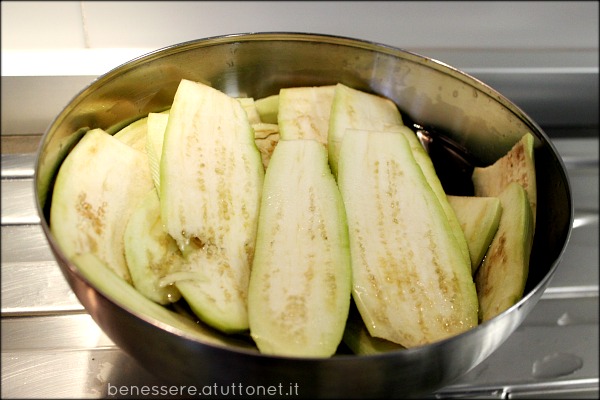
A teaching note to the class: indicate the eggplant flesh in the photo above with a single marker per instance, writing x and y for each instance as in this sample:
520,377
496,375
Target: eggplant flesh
411,283
299,293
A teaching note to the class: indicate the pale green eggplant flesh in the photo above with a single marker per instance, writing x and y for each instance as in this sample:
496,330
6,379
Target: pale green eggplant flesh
300,284
211,178
411,282
355,109
479,218
178,205
121,292
432,178
304,112
502,276
517,165
157,124
134,134
249,106
359,340
97,188
151,254
267,108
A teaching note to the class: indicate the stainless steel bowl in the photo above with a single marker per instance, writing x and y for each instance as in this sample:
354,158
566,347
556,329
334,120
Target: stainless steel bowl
466,111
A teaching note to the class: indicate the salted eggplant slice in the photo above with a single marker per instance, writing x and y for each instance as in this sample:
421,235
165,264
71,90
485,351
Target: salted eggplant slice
501,278
479,218
152,255
97,188
97,272
134,134
157,124
304,112
300,285
268,108
411,282
211,178
356,109
426,164
517,165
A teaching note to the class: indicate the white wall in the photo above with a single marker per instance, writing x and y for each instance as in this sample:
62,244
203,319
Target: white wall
543,55
458,25
465,33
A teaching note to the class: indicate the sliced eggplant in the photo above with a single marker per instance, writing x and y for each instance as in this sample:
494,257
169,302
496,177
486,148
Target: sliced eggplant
355,109
266,137
157,124
152,255
517,165
432,178
300,284
304,112
107,282
267,108
411,283
211,178
134,134
502,276
249,106
479,218
98,186
359,340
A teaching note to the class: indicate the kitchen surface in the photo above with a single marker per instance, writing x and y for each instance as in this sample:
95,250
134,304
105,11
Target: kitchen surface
542,56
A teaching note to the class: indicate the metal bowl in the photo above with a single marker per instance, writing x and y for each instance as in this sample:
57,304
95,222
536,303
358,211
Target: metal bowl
462,109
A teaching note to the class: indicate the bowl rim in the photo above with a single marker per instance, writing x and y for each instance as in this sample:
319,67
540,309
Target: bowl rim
292,36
